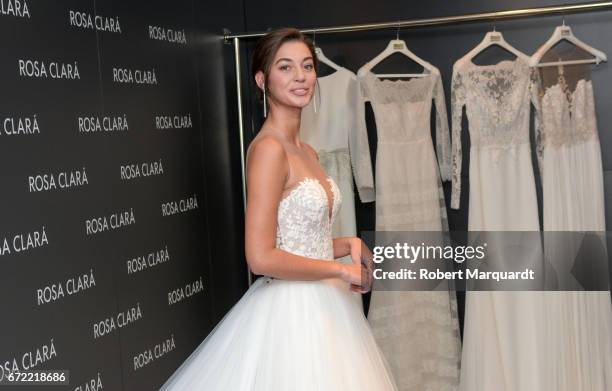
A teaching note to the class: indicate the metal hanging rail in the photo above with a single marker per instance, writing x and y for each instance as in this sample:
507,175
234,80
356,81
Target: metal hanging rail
438,21
509,14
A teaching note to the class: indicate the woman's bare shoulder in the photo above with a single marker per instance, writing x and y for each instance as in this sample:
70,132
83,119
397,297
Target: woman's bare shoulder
267,151
311,150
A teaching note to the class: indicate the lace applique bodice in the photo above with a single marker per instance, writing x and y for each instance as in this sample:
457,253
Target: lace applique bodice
304,224
497,100
568,117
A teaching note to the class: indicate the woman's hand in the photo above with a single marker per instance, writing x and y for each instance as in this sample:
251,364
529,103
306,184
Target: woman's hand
362,257
353,274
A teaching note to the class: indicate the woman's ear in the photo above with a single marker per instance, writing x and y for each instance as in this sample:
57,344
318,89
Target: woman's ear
260,79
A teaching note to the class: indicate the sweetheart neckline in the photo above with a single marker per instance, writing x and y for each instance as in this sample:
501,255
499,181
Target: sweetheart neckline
305,180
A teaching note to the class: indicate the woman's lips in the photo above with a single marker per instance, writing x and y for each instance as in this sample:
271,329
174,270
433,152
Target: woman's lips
300,91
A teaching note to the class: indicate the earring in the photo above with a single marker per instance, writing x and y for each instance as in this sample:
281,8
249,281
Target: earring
265,102
315,99
316,94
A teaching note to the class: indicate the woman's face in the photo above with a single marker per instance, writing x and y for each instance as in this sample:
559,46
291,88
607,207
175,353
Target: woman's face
292,75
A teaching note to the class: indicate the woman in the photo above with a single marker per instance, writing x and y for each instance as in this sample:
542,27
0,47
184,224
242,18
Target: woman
298,327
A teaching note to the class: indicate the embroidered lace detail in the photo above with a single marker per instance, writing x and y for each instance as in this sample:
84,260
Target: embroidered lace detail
304,223
497,100
568,117
412,123
417,89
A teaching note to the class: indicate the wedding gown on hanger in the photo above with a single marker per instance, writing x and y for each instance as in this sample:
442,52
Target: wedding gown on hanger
501,341
418,331
579,337
287,335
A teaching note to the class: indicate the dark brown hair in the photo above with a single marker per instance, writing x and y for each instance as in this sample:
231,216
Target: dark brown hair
267,46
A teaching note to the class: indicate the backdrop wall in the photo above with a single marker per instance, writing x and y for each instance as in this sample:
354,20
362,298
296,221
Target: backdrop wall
117,187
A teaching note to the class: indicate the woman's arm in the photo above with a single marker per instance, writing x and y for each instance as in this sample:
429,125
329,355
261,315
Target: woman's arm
267,169
342,246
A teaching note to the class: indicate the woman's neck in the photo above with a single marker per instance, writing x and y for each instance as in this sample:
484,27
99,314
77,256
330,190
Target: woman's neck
286,122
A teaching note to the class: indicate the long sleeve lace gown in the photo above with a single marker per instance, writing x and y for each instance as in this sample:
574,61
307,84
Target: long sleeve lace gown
502,328
418,331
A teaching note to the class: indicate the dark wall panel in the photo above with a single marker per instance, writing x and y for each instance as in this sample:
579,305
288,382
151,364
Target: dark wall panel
120,221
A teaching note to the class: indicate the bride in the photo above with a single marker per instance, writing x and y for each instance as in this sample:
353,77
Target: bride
298,327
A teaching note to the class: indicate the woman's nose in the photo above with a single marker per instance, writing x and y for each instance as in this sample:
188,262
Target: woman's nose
299,74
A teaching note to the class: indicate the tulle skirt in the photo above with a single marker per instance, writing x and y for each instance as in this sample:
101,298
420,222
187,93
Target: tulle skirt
288,335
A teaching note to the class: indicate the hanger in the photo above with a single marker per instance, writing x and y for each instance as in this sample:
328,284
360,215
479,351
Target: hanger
493,38
321,56
561,33
397,46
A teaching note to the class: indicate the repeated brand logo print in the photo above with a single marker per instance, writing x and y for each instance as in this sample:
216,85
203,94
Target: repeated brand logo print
156,352
30,359
113,221
103,124
48,69
71,286
18,8
180,206
173,122
134,76
152,259
100,23
74,183
167,34
23,242
15,126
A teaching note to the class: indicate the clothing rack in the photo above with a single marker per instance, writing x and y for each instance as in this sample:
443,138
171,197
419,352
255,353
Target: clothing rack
437,21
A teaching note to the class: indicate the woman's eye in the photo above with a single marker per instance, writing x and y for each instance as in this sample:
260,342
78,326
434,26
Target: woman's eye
284,67
309,66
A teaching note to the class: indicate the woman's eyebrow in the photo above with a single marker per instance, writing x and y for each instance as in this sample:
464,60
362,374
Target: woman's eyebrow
283,59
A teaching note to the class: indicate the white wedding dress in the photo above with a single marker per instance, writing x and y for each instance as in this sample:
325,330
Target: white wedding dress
578,341
502,348
287,335
418,331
